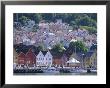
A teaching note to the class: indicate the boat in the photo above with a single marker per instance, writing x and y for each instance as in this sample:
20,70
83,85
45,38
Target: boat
75,70
72,70
50,70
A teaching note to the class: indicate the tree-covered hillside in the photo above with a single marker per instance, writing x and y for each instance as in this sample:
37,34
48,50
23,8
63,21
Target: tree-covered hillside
76,20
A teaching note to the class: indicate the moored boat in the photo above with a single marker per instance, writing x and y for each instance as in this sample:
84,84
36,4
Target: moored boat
50,70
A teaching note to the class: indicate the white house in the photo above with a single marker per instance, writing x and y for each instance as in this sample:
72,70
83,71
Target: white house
48,59
44,59
40,59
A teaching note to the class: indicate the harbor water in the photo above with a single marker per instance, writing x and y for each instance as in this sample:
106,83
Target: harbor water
48,74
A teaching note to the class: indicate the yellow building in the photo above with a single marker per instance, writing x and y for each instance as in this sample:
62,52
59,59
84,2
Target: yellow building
15,55
91,60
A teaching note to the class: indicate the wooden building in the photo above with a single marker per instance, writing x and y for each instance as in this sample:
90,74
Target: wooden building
21,59
30,58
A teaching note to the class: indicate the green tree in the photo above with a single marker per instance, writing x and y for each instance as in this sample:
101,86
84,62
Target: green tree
77,46
92,30
37,17
40,48
74,25
58,50
23,19
74,19
35,28
47,16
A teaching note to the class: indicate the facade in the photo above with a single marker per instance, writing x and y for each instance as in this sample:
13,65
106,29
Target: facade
44,59
15,57
21,59
64,59
40,59
57,61
91,61
48,59
30,58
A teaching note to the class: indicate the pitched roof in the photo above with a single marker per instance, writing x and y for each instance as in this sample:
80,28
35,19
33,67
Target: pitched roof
44,52
21,54
23,48
30,54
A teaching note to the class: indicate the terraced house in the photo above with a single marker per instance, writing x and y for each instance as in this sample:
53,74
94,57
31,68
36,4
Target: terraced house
44,58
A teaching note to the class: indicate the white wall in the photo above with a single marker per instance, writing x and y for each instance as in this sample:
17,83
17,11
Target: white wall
44,60
40,58
48,58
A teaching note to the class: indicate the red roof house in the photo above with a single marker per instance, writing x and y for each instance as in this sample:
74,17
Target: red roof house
30,58
21,59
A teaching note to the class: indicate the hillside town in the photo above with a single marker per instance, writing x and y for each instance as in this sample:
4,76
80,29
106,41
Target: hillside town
50,34
31,35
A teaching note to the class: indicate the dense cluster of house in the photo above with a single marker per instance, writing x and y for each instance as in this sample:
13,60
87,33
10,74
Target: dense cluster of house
51,33
43,58
30,59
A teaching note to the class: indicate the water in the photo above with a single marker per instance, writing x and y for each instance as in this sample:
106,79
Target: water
84,73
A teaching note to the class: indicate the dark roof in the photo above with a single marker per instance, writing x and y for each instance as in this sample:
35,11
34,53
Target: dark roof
34,49
21,54
23,48
44,52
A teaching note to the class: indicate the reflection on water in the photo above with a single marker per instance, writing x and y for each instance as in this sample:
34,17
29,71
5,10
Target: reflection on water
92,73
